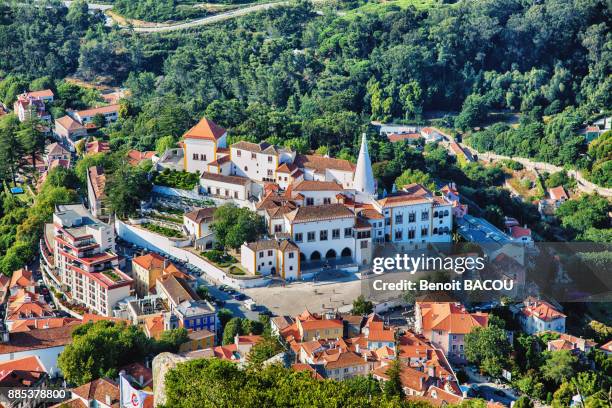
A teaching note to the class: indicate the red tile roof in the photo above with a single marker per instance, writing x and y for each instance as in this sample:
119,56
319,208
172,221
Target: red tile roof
135,157
558,193
38,339
21,372
321,164
450,317
205,129
97,146
101,110
541,309
313,185
97,390
396,137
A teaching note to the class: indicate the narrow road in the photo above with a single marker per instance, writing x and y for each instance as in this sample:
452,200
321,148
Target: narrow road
582,184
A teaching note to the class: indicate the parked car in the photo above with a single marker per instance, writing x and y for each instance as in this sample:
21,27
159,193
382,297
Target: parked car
223,288
266,313
239,296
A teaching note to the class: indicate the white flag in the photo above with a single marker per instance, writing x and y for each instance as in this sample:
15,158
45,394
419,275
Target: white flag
130,396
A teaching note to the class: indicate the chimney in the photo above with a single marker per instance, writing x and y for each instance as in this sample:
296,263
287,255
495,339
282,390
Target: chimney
108,400
141,380
357,348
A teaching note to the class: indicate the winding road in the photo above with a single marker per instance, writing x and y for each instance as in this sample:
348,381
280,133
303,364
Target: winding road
162,27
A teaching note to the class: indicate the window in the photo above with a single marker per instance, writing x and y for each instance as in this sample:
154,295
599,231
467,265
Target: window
435,214
311,236
291,268
424,231
218,191
238,153
270,252
363,244
412,217
278,228
424,215
253,156
298,237
270,173
348,232
291,255
261,254
196,156
399,218
398,234
387,221
269,159
327,200
336,233
246,168
411,234
323,235
309,201
202,157
235,194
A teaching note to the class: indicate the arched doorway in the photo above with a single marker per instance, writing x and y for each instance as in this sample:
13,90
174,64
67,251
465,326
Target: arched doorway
331,254
315,256
302,257
346,253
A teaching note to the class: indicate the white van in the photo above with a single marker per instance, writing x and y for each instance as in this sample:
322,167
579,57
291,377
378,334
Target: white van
250,305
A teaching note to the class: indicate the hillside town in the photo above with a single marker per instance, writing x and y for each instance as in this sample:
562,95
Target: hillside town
164,271
390,204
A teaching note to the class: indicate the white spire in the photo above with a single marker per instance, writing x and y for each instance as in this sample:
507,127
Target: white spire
363,180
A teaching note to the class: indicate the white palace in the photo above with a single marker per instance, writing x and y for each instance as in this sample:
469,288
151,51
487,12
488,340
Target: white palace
328,210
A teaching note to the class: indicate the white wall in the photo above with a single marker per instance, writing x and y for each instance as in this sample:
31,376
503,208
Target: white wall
156,242
199,147
256,166
308,248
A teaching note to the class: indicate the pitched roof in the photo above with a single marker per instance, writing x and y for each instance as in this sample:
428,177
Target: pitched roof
541,309
68,123
178,289
55,149
319,212
519,232
205,129
154,325
411,194
321,324
321,164
242,181
98,181
450,317
135,156
38,339
283,245
409,377
101,110
313,185
45,93
396,137
607,347
342,359
153,261
97,390
201,214
138,369
29,363
261,147
21,277
558,193
97,146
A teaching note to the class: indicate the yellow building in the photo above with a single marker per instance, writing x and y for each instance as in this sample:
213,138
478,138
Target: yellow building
147,269
198,340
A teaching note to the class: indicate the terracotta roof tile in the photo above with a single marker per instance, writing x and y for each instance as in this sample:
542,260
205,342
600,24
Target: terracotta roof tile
319,212
205,129
320,163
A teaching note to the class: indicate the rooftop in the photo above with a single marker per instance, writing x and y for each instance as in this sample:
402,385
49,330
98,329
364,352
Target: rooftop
261,147
321,164
205,129
201,215
38,339
242,181
319,212
98,111
97,390
313,185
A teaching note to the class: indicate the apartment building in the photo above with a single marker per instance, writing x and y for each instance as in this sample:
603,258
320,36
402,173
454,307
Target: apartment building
445,324
85,261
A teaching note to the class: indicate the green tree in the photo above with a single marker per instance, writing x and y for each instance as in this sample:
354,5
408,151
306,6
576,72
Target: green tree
171,340
224,316
361,306
393,386
559,366
264,350
473,112
99,120
410,176
523,402
31,138
231,329
98,349
563,396
126,188
234,226
488,347
164,143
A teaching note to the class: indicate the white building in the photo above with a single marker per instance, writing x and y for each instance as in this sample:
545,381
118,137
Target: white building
85,262
323,232
30,104
538,315
272,257
322,168
84,117
258,161
415,216
197,222
201,145
228,187
311,192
